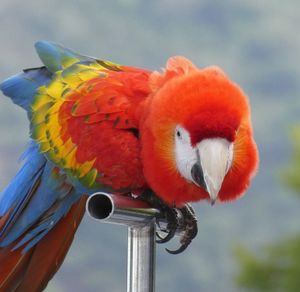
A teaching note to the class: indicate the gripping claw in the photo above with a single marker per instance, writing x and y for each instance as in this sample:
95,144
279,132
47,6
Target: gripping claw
187,221
191,229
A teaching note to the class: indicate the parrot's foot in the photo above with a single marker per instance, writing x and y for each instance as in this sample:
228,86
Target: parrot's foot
172,219
190,228
177,218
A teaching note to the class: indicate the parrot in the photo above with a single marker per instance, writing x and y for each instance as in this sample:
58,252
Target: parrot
170,137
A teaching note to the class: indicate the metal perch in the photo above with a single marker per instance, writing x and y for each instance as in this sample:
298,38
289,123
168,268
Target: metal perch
141,221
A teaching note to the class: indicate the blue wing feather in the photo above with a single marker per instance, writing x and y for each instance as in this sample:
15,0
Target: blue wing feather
22,87
56,57
36,200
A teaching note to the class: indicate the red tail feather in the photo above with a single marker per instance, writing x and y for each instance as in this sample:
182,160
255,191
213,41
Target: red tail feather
32,271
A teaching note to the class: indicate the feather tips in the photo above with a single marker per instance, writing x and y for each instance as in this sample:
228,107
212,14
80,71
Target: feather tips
56,57
70,111
45,262
38,186
21,88
32,270
19,191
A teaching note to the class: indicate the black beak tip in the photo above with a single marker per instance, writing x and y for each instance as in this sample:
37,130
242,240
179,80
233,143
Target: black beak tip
197,175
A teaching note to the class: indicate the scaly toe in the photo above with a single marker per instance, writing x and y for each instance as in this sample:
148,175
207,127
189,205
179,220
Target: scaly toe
191,229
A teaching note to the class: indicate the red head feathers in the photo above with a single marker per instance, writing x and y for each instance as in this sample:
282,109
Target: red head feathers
197,140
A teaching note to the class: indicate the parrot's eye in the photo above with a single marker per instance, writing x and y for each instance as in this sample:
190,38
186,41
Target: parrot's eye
181,135
178,134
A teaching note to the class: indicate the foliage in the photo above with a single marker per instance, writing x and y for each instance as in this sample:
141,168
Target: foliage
291,176
277,266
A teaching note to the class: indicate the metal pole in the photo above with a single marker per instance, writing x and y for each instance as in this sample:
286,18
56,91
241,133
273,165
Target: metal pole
141,258
140,219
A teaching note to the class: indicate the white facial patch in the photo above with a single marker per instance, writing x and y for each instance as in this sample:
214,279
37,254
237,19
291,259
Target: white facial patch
214,155
185,154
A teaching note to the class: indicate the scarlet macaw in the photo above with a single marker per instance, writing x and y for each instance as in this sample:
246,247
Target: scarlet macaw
184,134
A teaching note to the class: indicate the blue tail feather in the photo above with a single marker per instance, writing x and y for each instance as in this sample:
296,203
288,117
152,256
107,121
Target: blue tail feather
42,229
38,199
23,181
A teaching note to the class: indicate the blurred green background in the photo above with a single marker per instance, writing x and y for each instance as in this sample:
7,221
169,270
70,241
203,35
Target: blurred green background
276,267
256,42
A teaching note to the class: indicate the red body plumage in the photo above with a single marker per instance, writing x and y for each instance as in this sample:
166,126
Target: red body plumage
104,110
107,108
98,125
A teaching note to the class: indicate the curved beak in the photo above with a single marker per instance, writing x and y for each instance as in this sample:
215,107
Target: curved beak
214,158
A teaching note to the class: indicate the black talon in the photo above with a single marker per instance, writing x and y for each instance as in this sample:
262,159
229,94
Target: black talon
162,239
167,238
165,212
158,224
191,229
177,251
187,222
159,236
172,219
190,210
